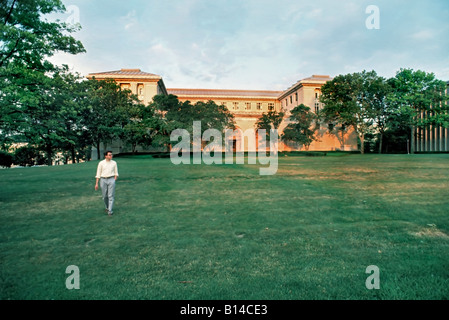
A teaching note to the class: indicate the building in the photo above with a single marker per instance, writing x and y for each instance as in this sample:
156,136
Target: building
145,85
246,105
307,92
432,138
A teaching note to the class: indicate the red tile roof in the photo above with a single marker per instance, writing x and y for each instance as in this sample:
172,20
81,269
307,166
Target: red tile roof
225,93
125,72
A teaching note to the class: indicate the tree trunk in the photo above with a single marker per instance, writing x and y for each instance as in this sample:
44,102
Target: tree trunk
49,154
343,140
380,142
98,150
362,143
73,154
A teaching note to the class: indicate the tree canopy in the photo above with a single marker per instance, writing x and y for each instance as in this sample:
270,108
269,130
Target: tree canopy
27,39
181,115
350,100
417,100
300,128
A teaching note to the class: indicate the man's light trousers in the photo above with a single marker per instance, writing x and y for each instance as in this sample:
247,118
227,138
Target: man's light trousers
108,191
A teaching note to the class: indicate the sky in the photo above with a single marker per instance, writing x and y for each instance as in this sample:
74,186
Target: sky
257,44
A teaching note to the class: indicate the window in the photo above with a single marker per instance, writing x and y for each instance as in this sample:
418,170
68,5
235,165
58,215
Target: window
296,95
317,106
140,90
125,86
236,105
259,106
248,105
291,99
270,106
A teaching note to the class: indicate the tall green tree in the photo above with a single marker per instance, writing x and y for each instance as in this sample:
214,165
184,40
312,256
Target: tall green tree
142,128
27,78
350,100
45,113
417,100
378,91
181,115
109,109
27,39
164,125
270,121
301,127
78,142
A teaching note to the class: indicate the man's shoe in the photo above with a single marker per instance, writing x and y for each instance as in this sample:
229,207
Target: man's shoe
109,213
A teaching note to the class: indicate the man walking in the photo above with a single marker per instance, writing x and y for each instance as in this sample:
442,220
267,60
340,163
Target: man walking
107,173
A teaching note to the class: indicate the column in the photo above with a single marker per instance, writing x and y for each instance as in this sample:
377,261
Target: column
421,135
447,140
431,140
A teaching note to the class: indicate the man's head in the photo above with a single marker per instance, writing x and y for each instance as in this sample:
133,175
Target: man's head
108,155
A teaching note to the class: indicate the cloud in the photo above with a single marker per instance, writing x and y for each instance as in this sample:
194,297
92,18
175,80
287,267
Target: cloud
423,35
261,44
129,20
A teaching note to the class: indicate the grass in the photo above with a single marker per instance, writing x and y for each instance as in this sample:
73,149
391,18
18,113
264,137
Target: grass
225,232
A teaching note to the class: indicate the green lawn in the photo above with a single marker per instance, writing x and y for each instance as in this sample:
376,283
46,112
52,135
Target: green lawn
225,232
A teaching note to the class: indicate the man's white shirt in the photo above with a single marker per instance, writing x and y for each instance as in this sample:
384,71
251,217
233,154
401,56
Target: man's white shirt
106,169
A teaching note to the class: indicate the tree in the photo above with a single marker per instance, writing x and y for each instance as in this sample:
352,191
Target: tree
142,127
27,39
44,112
378,92
300,129
164,105
78,142
349,100
109,109
270,121
6,159
212,116
181,115
417,100
27,78
28,156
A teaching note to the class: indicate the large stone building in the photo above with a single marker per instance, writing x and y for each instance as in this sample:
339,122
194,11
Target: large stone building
246,105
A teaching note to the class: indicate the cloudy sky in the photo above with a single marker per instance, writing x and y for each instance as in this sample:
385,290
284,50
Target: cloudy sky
258,44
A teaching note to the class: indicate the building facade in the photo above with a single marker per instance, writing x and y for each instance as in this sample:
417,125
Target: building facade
432,138
246,105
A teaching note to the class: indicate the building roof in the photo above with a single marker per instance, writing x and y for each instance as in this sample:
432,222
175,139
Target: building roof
314,79
317,77
225,93
216,93
128,73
